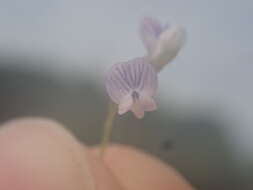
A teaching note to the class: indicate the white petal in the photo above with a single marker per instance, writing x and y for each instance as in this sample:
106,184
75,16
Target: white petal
137,110
168,46
148,104
150,29
125,105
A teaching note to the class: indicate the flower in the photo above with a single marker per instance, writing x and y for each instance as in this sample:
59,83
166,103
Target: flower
132,85
162,42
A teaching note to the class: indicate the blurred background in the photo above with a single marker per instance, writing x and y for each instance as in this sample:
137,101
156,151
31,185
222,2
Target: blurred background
53,57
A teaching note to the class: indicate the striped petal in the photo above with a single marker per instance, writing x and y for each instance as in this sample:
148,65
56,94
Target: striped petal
131,85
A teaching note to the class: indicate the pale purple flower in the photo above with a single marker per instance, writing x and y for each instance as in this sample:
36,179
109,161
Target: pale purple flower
132,85
162,42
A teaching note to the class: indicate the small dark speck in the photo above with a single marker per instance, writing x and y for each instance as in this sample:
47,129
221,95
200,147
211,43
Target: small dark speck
135,96
167,145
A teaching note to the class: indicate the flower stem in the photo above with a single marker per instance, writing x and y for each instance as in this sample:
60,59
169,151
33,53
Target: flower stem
107,128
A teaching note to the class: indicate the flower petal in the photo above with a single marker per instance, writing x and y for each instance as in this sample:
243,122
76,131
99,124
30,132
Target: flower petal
168,46
125,77
128,81
148,104
138,110
149,80
125,105
150,29
116,84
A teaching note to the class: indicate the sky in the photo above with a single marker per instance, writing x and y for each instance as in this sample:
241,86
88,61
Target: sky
214,66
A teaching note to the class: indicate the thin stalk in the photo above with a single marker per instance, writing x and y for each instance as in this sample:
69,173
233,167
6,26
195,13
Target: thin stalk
108,128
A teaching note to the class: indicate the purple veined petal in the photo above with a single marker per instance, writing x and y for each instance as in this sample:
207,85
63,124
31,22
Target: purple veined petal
149,82
116,85
150,30
131,85
167,47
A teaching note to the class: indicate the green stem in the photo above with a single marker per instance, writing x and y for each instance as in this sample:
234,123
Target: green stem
107,128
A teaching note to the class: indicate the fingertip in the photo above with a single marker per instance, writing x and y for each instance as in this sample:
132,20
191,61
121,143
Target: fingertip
138,170
36,125
38,153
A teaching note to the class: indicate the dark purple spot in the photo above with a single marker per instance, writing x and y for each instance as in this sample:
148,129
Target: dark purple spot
135,96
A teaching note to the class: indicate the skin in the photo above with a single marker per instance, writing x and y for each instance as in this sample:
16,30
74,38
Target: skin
40,154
